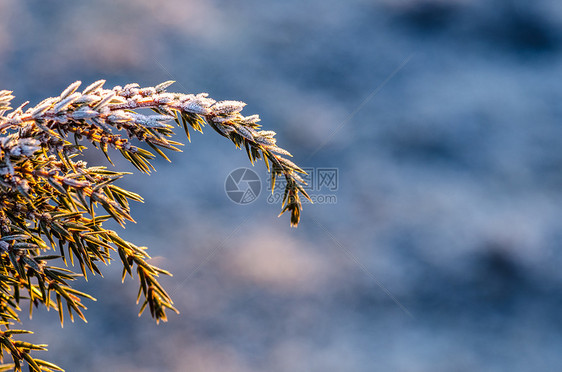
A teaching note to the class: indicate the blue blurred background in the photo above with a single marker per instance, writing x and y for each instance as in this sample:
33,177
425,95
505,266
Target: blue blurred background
443,120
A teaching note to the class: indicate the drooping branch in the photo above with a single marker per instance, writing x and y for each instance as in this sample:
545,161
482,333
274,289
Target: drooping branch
51,205
98,115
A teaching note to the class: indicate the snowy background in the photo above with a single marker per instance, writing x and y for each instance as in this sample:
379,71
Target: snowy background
443,119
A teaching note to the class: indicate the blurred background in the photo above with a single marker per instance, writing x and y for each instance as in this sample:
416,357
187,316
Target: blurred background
442,119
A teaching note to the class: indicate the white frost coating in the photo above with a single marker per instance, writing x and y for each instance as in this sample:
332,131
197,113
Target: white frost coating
227,107
195,108
63,104
84,114
71,89
93,87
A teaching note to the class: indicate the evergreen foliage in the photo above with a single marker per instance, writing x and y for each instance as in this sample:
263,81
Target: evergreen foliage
53,205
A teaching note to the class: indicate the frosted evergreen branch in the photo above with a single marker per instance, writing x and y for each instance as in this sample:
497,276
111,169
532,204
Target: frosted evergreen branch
51,203
97,113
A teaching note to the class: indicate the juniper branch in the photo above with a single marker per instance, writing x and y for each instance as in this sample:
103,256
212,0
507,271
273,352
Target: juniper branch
49,202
